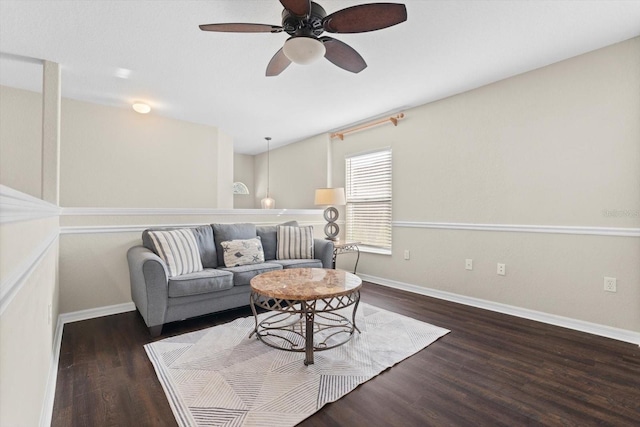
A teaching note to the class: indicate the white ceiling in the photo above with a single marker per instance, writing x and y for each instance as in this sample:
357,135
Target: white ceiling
445,47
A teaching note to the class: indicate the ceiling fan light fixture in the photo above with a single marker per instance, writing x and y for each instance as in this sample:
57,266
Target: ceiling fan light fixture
303,50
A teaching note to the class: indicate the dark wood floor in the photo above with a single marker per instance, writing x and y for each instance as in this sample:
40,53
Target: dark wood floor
492,369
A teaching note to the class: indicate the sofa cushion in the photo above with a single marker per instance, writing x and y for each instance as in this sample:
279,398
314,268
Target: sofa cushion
178,249
269,236
226,232
242,252
204,237
202,282
295,242
299,263
242,275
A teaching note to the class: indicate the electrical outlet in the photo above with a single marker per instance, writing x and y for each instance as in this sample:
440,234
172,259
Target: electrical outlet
468,264
610,284
407,255
502,269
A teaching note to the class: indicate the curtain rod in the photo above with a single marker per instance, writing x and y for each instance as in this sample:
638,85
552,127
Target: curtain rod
392,119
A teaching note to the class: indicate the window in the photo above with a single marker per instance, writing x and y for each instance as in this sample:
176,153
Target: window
368,179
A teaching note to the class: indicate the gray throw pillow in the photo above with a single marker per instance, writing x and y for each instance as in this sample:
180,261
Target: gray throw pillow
204,237
269,236
227,232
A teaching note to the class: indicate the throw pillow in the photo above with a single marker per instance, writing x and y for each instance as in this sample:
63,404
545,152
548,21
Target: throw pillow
269,236
178,249
242,252
295,242
228,232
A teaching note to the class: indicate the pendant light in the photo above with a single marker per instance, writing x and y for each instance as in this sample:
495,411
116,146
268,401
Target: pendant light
268,202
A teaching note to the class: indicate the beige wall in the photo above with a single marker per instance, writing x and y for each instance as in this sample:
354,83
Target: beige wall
224,171
115,157
243,165
558,146
296,171
21,140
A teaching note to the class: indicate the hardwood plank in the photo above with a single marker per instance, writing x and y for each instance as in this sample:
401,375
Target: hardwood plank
491,370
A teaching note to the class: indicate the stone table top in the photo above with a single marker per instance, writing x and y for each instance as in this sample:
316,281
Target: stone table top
304,284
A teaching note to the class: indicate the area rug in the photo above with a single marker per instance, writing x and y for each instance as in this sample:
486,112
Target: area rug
221,377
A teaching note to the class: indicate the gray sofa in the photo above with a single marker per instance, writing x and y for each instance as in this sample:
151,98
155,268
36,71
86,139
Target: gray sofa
162,299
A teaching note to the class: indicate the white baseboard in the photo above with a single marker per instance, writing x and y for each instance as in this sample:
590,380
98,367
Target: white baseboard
46,414
92,313
552,319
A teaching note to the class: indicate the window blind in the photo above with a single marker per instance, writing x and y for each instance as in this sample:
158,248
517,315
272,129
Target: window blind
368,192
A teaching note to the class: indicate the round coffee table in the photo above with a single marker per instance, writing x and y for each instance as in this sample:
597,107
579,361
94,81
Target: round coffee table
306,300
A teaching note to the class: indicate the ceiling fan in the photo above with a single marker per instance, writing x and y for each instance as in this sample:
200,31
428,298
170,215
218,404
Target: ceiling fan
305,21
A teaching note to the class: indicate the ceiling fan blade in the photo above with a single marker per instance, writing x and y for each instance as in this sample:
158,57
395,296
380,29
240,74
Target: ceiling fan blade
365,17
299,8
241,28
277,64
343,55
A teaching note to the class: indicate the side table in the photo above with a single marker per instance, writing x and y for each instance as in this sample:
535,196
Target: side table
344,247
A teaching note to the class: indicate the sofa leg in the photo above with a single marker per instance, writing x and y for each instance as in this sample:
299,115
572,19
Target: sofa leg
155,331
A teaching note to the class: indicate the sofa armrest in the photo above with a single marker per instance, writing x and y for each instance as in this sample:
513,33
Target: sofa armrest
149,280
324,252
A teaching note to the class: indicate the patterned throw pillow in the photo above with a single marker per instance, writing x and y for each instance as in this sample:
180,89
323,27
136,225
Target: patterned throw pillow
295,242
242,252
178,249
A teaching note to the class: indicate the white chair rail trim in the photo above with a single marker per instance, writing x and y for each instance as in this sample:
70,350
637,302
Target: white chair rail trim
552,319
546,229
17,206
98,229
184,211
10,285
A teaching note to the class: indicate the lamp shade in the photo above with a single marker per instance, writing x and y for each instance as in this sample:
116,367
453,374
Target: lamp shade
303,50
330,197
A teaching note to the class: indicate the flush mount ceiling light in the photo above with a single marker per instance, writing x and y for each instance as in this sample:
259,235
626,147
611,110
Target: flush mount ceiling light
303,50
141,107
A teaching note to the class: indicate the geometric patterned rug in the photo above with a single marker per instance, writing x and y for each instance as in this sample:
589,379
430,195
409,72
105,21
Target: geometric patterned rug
221,377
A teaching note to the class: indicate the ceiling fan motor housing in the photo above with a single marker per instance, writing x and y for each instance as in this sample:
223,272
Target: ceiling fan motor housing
304,26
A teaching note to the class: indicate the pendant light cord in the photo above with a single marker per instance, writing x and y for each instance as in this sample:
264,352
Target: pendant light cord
268,163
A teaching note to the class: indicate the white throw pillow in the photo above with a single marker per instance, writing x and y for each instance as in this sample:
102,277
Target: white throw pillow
242,252
178,249
295,242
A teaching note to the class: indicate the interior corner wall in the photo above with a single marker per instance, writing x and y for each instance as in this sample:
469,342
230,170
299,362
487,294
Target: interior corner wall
21,140
243,165
296,171
115,157
557,146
